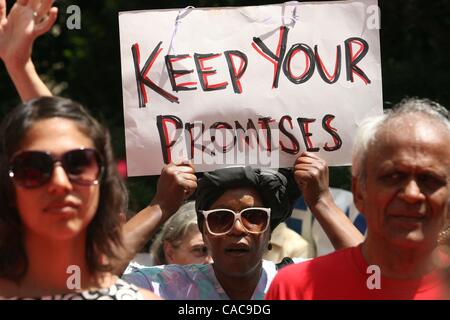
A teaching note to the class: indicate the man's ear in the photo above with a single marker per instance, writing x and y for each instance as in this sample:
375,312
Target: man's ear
358,196
168,252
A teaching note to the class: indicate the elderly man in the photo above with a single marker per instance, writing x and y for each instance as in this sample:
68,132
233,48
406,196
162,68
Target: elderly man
401,183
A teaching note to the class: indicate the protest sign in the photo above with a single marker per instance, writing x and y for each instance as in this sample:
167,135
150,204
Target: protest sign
248,85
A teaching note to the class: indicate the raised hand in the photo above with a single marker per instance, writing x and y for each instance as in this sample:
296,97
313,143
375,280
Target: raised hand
311,175
176,183
27,20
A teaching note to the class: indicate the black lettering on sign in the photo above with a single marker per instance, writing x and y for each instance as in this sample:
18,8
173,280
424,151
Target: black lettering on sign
204,72
326,125
236,73
353,59
229,128
265,125
174,74
244,135
275,58
324,74
310,63
191,144
161,123
304,127
142,79
295,145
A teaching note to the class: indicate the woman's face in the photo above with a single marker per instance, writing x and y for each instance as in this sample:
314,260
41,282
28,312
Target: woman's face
59,209
237,253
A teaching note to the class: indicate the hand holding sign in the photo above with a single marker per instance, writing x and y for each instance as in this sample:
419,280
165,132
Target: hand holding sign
311,175
176,183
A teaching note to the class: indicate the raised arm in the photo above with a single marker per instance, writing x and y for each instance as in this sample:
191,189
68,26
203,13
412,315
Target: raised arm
311,175
27,20
176,183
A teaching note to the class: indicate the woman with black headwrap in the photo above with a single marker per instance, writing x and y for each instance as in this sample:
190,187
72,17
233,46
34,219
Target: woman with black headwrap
237,208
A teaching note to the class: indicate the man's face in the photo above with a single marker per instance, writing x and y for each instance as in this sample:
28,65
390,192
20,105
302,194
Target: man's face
405,197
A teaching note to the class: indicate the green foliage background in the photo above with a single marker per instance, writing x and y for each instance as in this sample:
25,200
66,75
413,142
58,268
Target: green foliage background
85,64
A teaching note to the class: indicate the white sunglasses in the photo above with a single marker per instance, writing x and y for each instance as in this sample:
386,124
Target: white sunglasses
254,220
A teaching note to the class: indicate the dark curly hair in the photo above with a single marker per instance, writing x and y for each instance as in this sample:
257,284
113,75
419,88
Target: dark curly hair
103,233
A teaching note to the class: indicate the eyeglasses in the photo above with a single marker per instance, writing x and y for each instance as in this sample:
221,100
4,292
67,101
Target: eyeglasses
32,169
220,221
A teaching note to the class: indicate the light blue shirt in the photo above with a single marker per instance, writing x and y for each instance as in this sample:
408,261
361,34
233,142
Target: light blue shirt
191,282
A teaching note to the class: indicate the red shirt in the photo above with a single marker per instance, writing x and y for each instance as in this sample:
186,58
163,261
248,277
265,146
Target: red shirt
343,275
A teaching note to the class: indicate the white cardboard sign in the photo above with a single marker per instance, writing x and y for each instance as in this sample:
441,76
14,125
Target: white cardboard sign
248,85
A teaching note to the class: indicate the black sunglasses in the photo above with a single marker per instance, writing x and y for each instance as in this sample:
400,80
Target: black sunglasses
32,169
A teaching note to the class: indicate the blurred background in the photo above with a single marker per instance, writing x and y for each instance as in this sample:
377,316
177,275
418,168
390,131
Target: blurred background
85,64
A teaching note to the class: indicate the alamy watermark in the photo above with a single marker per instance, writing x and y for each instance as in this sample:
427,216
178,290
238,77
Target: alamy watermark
374,280
73,281
73,21
373,17
222,146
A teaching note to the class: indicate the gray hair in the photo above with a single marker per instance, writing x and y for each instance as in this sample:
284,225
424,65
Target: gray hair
183,222
369,128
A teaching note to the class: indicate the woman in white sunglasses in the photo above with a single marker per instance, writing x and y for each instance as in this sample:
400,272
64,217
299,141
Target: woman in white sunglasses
237,209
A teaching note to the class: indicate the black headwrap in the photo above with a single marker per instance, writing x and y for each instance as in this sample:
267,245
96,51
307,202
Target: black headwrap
277,189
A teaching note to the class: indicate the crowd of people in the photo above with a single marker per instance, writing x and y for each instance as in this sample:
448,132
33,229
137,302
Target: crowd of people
62,202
